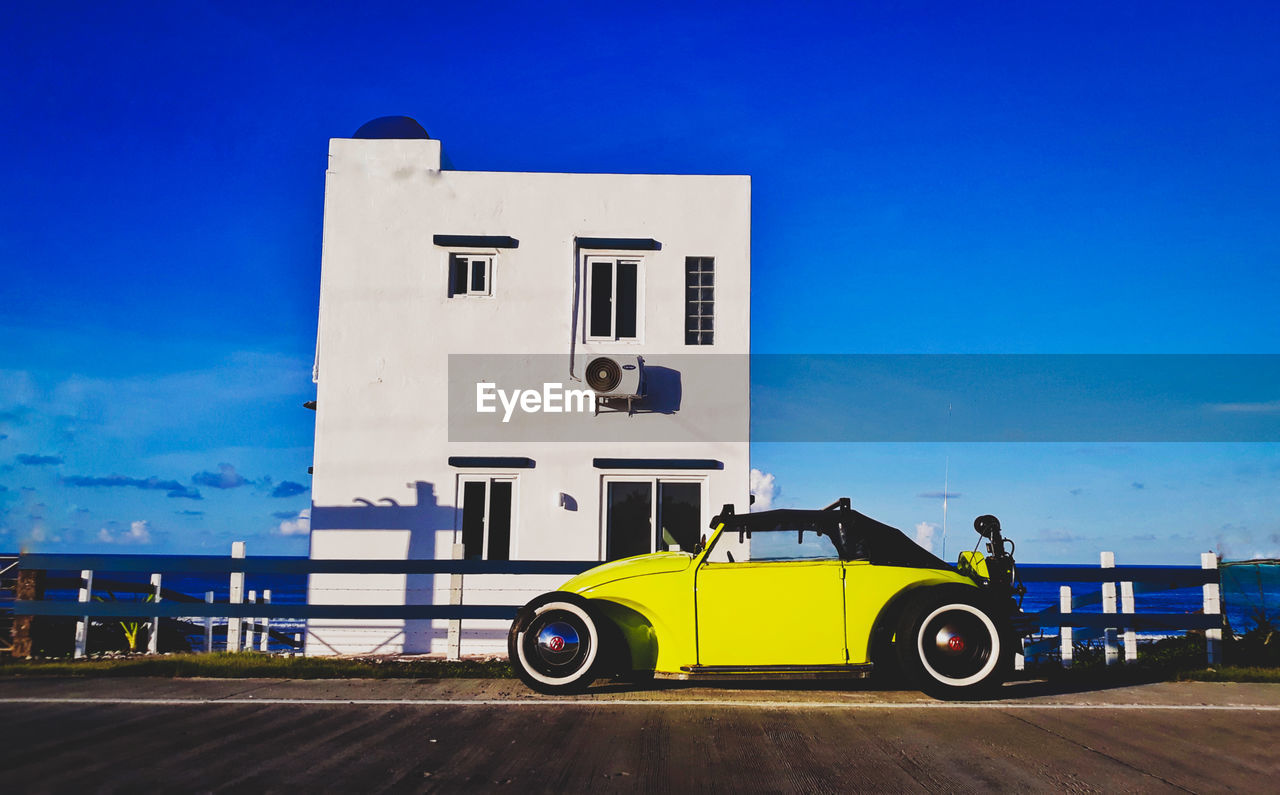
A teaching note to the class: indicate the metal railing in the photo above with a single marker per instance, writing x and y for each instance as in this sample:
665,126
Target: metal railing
243,617
1118,620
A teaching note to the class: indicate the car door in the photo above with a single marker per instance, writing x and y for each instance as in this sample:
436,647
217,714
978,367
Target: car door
779,607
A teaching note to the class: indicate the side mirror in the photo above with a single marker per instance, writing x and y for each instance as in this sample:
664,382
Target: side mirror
987,526
973,564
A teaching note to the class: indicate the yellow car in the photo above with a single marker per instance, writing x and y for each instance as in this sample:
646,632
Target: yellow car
780,594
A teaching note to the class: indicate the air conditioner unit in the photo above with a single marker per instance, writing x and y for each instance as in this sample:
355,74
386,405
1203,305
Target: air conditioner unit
616,376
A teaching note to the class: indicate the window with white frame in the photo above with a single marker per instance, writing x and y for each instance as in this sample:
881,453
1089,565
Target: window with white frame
470,274
700,300
485,511
613,298
649,514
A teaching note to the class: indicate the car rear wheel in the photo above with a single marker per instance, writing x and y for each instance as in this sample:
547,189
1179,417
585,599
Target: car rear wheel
554,645
952,647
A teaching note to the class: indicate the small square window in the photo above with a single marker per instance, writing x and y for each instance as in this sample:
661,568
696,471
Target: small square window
470,274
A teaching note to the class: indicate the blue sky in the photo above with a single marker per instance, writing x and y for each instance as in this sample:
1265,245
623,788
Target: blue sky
1066,178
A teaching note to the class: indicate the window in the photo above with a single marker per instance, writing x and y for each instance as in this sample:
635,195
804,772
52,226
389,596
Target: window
485,507
631,505
470,274
700,300
613,298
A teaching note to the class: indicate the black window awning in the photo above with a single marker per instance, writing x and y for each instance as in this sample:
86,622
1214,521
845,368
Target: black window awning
490,462
657,463
620,243
475,241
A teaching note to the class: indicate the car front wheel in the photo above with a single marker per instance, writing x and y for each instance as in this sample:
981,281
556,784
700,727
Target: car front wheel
554,644
952,647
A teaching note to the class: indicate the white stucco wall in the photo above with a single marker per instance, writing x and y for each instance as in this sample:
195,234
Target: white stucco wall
382,485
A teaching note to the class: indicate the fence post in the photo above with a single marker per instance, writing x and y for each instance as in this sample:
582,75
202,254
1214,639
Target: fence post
235,597
1064,607
251,624
454,651
1130,637
82,626
208,624
1109,606
264,638
153,638
1212,607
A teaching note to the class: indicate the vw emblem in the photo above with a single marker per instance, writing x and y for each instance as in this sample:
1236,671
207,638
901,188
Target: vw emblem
556,643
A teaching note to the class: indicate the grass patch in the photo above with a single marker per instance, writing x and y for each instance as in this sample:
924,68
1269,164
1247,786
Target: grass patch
1231,673
1121,675
1253,657
248,665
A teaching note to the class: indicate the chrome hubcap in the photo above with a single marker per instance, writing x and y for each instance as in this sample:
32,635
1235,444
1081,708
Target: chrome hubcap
558,643
956,644
949,641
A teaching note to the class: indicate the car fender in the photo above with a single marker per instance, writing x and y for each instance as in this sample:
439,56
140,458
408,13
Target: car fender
632,638
886,621
627,636
552,596
655,614
882,629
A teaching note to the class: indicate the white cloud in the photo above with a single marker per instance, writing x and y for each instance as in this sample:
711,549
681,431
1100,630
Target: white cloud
299,526
1058,535
926,532
1268,407
138,533
40,534
225,478
764,489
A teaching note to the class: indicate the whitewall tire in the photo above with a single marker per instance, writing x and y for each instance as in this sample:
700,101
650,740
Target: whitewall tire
952,646
554,644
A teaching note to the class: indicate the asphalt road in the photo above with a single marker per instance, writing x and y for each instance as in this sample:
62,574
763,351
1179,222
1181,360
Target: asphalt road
492,735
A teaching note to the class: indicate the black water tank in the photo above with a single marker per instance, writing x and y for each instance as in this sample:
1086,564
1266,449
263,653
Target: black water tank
391,127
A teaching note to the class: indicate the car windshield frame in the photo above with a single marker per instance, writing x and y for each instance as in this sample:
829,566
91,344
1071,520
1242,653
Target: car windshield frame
856,537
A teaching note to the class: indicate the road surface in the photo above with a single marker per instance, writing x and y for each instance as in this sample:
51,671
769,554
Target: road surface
493,735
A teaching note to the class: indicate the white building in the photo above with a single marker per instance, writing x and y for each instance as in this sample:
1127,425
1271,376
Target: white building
435,280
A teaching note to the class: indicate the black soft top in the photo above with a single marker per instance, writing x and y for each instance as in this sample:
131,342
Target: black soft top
856,536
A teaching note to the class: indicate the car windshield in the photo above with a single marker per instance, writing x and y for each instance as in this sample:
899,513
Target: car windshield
797,545
774,544
790,534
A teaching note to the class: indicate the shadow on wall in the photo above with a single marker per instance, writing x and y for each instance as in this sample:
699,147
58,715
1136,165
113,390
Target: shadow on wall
663,391
430,527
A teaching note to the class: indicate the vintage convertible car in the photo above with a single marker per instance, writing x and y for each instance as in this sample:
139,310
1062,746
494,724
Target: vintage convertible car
783,593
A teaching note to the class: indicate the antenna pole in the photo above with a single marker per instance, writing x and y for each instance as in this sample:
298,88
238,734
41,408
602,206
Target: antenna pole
946,477
946,480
